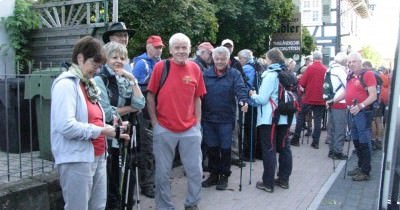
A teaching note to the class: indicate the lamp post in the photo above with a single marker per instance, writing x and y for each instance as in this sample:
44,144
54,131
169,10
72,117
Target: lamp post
338,26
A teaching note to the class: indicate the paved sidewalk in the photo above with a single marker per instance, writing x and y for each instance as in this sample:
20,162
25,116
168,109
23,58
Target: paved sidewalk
312,177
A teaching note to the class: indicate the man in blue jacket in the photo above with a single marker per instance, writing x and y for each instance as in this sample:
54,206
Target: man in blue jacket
224,84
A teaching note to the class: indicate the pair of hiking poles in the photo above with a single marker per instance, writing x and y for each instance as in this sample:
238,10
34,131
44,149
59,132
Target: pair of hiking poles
241,145
128,165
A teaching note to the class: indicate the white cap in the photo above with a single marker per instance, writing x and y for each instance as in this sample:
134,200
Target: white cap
226,41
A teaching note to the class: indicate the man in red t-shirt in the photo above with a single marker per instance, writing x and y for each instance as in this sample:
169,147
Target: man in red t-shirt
360,100
176,119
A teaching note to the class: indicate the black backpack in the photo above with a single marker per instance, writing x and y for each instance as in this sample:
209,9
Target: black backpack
327,88
379,81
259,69
288,100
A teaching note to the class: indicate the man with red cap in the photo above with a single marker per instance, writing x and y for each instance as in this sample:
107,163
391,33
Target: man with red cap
142,70
203,55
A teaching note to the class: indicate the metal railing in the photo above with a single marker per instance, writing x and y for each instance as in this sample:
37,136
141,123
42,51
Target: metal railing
25,124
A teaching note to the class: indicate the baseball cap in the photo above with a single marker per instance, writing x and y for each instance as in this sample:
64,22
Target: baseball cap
205,46
226,41
155,40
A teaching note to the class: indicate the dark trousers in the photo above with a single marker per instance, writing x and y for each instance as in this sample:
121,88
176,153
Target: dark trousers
274,139
114,182
251,144
318,112
361,134
218,137
146,156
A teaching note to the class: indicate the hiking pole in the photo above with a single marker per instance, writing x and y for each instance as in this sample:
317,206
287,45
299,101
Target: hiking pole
134,161
241,150
349,119
251,142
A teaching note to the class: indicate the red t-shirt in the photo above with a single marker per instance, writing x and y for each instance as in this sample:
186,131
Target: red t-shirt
355,90
175,109
312,81
95,116
385,89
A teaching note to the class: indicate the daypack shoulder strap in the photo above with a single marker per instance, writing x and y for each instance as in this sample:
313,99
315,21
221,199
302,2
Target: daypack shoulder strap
164,76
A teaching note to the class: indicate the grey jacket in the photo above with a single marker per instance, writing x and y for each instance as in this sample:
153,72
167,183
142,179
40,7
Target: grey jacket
71,134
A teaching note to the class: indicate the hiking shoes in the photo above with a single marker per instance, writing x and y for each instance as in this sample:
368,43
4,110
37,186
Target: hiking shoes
339,156
354,172
315,146
361,177
295,141
331,154
191,207
281,183
260,185
213,179
223,183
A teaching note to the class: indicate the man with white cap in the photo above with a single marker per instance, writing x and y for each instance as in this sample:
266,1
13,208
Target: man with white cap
233,62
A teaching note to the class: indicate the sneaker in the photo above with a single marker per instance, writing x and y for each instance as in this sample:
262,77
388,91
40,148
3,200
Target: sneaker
361,177
339,156
260,185
213,179
281,183
223,183
295,141
148,192
315,146
354,172
191,207
238,163
330,154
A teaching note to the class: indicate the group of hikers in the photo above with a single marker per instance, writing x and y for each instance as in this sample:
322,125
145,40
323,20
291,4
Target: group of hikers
119,123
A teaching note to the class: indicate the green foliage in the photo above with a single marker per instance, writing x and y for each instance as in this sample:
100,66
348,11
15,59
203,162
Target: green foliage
18,27
307,42
195,18
250,23
369,53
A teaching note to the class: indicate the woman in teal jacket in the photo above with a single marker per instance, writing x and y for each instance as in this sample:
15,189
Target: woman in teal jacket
273,136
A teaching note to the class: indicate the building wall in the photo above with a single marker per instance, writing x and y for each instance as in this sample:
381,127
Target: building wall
7,65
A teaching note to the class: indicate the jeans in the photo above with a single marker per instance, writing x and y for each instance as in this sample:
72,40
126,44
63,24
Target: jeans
361,135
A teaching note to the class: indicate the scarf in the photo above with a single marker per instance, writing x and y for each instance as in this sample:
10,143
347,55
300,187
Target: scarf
92,91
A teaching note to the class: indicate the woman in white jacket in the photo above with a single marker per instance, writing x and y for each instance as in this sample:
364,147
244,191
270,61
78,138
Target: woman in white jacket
273,136
78,129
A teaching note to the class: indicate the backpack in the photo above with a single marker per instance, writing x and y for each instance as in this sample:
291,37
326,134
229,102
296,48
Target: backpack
288,101
259,69
379,82
327,88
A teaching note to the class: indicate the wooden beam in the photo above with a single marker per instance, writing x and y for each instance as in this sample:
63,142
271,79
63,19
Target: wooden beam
76,15
55,13
64,3
63,16
97,11
50,17
71,9
87,13
44,21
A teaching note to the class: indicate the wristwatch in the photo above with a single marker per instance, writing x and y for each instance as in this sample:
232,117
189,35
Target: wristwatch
133,82
361,105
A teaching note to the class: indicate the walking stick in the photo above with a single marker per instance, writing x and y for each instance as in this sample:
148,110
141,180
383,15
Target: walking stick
241,150
251,142
351,138
133,161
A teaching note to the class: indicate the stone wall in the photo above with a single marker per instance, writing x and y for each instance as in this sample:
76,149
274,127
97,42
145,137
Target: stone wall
40,192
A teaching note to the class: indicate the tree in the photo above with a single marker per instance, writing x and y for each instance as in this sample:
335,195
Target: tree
307,42
369,53
195,18
250,23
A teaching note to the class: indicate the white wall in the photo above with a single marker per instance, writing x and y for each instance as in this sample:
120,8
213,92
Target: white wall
7,65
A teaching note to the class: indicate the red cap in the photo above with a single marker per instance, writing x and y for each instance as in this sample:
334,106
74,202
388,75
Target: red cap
205,46
155,41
